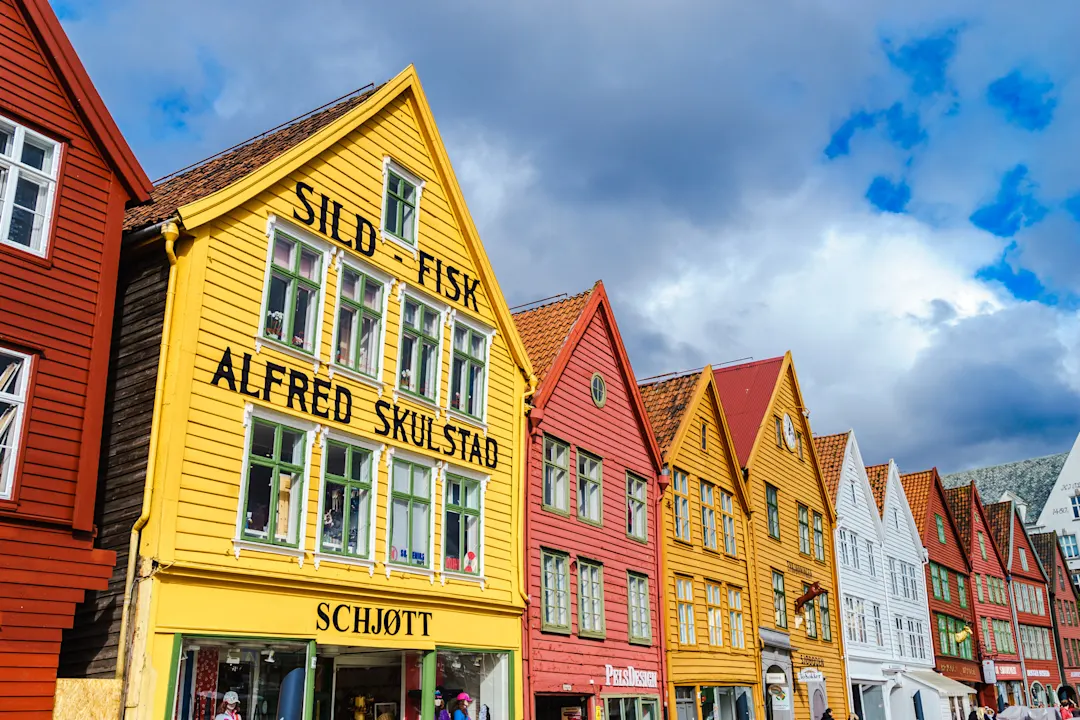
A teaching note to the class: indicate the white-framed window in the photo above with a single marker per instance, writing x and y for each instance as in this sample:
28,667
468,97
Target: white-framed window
1023,558
469,369
901,636
879,628
411,520
277,457
735,618
556,475
420,347
871,563
14,388
348,502
296,265
29,165
1069,546
402,192
590,598
894,577
640,627
637,517
727,510
708,514
714,613
684,593
360,324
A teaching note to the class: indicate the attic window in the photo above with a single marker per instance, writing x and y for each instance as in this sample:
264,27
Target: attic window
599,390
779,432
1023,558
704,435
401,204
896,518
854,496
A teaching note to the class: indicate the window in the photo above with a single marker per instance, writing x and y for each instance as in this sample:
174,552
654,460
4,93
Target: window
901,650
804,530
273,496
879,628
346,506
855,619
798,444
714,614
684,590
778,423
948,627
961,590
913,582
810,615
727,510
826,618
598,390
979,587
631,708
14,387
640,615
819,538
708,515
939,577
854,494
1003,636
779,600
402,195
845,548
1075,500
418,365
28,169
682,506
940,529
895,581
359,322
467,371
637,519
1023,558
590,497
985,627
735,618
293,293
590,598
982,544
556,474
854,550
410,513
773,504
871,564
704,436
555,591
462,525
896,518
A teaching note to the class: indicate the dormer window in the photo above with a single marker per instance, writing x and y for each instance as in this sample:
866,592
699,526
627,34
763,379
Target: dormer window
28,171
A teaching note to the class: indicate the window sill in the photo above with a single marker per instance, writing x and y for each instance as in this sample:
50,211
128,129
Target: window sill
21,251
265,342
643,541
390,237
463,417
410,570
641,642
463,577
420,400
595,523
687,543
555,511
321,557
335,369
256,546
555,630
592,635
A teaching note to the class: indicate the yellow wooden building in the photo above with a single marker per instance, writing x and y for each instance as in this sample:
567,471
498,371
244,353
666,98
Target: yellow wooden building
713,665
333,504
799,635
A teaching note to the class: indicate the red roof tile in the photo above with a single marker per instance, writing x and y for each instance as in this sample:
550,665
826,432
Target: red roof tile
879,480
666,402
999,518
830,452
745,392
917,487
544,329
960,501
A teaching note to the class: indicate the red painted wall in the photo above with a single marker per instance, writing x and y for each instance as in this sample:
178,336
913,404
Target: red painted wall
1068,623
994,567
1033,575
614,433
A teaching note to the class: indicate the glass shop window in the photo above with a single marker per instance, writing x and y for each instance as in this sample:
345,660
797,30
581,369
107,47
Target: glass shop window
483,676
726,703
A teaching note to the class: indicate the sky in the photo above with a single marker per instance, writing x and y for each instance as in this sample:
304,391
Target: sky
888,190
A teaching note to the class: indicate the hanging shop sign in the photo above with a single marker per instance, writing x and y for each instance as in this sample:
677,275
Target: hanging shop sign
1006,670
1038,673
361,620
989,672
809,675
324,399
629,677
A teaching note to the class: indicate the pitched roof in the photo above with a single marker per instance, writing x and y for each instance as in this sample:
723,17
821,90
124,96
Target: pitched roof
745,391
1046,545
84,96
960,500
219,171
917,489
666,401
879,480
1031,479
999,518
830,449
544,329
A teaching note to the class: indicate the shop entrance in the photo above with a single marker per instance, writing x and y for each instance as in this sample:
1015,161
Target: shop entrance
369,686
561,707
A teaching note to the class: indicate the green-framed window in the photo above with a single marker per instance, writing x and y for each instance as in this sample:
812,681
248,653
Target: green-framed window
684,596
681,490
274,487
637,592
948,628
804,530
939,581
556,475
735,618
555,591
637,515
779,600
940,528
727,512
346,501
708,514
772,504
399,215
979,587
826,617
590,487
819,538
359,322
461,525
961,590
810,615
982,544
468,371
418,363
590,598
410,514
293,293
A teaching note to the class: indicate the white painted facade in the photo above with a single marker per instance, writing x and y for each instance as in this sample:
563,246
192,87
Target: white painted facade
1061,513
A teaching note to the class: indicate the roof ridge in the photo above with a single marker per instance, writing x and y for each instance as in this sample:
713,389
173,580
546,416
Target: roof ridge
543,305
668,377
752,363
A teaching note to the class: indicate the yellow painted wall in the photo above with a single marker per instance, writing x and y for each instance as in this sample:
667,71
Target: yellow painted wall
797,482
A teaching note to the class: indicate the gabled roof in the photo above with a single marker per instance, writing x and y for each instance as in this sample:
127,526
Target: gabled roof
999,518
545,329
879,483
84,96
1046,546
917,488
831,450
1031,479
746,391
666,402
959,500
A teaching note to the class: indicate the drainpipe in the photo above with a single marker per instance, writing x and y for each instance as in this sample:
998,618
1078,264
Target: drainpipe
170,232
533,418
662,482
1019,640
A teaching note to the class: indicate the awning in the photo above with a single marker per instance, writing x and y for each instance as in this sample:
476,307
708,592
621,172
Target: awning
946,686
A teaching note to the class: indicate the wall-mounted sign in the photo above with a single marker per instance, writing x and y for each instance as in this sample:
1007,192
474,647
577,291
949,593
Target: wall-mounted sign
965,671
1074,673
629,677
571,713
809,675
775,678
1038,673
780,698
812,661
361,620
324,399
800,569
989,674
1006,670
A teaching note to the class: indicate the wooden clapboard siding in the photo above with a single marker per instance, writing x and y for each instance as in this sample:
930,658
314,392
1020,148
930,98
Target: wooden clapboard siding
992,565
1065,600
1034,576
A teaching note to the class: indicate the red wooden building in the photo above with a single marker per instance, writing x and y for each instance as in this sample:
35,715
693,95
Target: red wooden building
948,582
593,632
1031,602
66,175
1064,598
994,629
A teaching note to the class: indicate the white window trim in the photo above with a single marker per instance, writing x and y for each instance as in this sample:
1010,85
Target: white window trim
436,468
404,291
388,281
376,450
52,178
328,252
489,333
310,431
20,400
390,164
483,479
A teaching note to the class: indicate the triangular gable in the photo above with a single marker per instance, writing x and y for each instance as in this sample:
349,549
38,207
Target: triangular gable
1047,546
263,177
834,453
893,480
596,304
998,520
966,500
85,98
927,482
1020,535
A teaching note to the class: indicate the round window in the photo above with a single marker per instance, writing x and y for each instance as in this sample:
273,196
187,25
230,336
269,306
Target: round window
599,390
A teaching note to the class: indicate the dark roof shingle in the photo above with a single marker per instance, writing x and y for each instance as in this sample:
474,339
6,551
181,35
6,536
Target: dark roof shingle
960,500
917,488
999,518
544,329
1031,479
1045,545
666,401
830,452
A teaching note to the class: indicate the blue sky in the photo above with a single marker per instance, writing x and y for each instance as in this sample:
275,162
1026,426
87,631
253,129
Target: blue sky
890,192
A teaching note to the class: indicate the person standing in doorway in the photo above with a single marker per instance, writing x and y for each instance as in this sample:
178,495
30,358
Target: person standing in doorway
441,713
